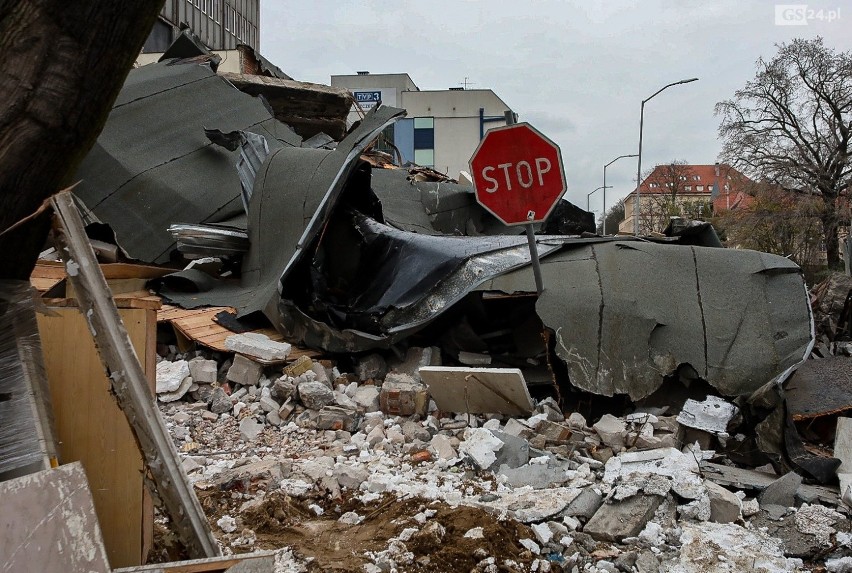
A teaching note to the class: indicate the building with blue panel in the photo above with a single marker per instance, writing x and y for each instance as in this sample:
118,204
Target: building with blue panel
443,127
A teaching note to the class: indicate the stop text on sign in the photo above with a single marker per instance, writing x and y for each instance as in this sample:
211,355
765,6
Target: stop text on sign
524,174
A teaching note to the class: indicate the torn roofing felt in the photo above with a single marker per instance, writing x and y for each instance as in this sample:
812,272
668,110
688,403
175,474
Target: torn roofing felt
291,202
626,314
372,285
153,166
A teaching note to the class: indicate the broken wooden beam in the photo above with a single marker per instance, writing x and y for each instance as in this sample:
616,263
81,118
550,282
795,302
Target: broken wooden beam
128,380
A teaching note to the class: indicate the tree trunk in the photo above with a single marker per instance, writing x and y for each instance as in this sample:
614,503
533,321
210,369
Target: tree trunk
62,64
829,231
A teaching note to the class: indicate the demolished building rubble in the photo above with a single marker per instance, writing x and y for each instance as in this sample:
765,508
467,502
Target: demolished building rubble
420,407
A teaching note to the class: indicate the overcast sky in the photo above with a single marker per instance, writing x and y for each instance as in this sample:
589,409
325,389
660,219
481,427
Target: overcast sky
576,70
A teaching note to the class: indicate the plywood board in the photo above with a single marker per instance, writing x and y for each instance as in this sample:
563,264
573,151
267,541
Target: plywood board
49,524
92,429
209,565
478,390
198,325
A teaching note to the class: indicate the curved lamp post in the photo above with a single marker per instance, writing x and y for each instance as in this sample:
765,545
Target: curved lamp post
603,230
588,195
639,155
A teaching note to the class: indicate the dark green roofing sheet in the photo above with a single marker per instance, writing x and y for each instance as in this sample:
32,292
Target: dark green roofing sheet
153,165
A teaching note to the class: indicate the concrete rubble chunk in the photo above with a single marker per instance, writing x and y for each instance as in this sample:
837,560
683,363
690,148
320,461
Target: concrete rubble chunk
552,431
178,393
245,371
576,420
415,431
170,375
250,429
725,506
367,398
337,418
480,445
401,395
550,409
283,388
515,451
415,359
315,395
371,367
536,476
268,404
712,415
220,402
203,371
615,521
351,477
258,345
782,491
611,431
586,504
443,447
515,427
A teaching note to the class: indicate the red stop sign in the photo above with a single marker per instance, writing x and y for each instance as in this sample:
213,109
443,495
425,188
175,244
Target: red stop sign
517,174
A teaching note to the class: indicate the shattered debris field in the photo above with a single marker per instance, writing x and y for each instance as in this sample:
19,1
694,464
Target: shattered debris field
316,359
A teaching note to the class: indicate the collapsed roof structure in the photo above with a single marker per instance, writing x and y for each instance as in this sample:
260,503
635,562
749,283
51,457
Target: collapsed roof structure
347,258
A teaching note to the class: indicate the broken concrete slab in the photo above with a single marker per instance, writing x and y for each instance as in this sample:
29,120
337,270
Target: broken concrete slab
258,345
712,415
337,418
515,451
478,390
742,478
781,491
49,523
367,398
615,521
586,504
480,446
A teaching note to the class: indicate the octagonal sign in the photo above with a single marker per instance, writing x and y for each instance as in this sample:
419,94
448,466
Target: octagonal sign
517,174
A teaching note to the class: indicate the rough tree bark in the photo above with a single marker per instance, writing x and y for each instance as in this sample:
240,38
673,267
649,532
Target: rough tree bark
62,64
792,126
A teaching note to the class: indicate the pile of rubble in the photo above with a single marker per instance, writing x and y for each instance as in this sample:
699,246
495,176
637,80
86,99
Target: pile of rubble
360,471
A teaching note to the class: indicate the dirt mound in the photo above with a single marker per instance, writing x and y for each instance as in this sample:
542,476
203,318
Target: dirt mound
438,544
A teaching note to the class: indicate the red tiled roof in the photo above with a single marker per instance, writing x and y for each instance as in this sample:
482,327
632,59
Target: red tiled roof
700,180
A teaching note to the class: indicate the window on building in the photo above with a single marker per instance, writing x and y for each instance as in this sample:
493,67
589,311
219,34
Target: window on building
687,187
700,188
696,177
669,184
424,141
424,157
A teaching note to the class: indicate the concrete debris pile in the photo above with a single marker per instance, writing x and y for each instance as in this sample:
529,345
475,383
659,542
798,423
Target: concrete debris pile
368,457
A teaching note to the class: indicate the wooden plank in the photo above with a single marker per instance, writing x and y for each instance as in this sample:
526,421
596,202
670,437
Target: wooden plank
210,565
107,449
129,382
198,325
49,524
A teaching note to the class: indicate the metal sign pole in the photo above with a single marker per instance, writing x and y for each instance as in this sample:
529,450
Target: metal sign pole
539,285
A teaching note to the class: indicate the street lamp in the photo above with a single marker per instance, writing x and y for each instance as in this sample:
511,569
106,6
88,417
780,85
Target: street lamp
639,161
603,230
588,195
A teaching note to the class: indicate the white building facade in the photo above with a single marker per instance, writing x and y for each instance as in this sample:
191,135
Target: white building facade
442,128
